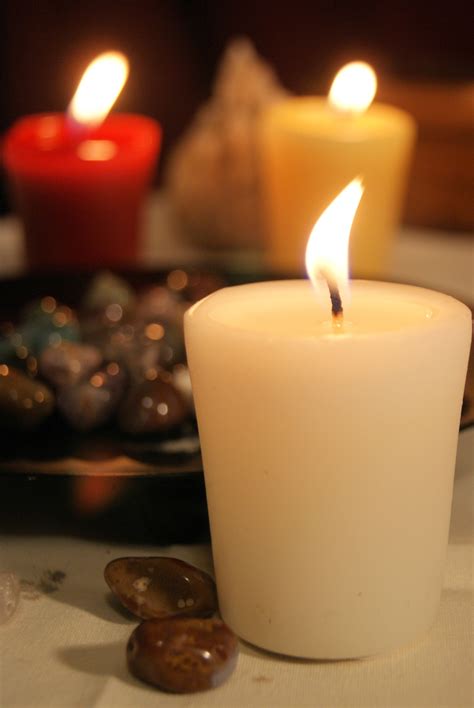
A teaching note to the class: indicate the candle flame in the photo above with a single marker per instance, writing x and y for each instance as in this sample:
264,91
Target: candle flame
353,88
98,89
327,252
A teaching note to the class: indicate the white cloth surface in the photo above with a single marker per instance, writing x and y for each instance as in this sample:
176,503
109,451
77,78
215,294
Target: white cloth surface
67,648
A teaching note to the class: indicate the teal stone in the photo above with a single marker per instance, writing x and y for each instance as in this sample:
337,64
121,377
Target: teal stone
46,323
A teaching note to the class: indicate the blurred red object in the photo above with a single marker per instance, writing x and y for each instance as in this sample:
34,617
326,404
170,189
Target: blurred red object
80,199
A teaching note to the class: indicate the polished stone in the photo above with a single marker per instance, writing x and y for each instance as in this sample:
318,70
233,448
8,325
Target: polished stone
93,402
24,402
68,363
182,655
152,406
159,587
157,303
107,289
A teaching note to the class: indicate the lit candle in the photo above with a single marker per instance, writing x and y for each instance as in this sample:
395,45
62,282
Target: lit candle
329,444
79,179
312,146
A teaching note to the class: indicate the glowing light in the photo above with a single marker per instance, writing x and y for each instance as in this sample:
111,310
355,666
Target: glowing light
177,280
113,368
327,252
114,312
98,89
353,88
155,331
97,380
96,150
48,304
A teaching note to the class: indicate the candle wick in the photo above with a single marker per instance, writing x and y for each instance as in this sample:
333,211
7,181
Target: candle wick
336,302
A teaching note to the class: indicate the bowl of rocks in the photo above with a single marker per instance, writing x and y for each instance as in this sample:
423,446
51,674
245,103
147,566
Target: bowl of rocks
96,410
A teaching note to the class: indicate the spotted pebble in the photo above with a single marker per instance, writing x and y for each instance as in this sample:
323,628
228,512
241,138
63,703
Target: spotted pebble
158,587
182,655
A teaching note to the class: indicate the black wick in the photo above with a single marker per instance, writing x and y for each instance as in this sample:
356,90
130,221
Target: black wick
336,302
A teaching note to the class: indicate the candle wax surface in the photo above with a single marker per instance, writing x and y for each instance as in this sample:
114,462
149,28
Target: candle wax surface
80,192
308,153
315,117
293,309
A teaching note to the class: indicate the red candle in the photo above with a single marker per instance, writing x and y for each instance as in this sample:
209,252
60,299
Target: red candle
79,187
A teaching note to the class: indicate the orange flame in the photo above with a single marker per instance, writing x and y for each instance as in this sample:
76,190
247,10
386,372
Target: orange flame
98,89
353,88
327,252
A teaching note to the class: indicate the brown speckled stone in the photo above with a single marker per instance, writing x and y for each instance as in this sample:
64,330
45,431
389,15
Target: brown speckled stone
24,403
161,587
152,406
92,402
182,655
68,363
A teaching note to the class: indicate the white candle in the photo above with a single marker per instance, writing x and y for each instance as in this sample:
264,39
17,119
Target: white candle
329,457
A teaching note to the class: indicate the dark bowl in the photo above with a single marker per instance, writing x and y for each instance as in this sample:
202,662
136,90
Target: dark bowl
100,484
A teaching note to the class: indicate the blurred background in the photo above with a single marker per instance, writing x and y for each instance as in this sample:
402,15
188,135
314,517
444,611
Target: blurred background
421,52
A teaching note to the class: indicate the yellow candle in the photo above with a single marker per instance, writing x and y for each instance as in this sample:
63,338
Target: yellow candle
311,147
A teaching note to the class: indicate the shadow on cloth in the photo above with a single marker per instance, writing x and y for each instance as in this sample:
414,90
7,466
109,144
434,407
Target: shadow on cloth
98,660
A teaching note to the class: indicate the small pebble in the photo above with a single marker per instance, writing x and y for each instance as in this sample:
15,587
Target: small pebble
108,289
170,338
182,655
68,363
106,312
21,346
92,403
115,341
157,303
47,323
160,587
152,406
24,402
147,357
9,595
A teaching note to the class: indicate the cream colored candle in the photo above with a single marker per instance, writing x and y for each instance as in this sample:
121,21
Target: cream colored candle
328,460
329,454
310,148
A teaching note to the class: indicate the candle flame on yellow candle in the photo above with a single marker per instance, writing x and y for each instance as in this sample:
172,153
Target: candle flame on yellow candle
353,88
98,89
327,252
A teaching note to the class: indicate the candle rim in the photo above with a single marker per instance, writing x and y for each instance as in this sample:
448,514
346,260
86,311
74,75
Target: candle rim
350,128
445,308
22,154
